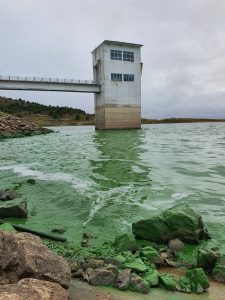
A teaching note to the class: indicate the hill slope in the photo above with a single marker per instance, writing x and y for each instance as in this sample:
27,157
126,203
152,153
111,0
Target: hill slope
45,114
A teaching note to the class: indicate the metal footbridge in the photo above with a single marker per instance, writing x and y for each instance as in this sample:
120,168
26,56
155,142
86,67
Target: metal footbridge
48,84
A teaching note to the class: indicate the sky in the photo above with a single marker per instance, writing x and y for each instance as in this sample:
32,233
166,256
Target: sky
183,52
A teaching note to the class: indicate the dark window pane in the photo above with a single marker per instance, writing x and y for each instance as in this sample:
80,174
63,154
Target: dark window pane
128,77
116,77
116,54
128,56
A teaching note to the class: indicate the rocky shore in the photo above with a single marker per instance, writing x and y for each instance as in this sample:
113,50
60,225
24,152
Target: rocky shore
11,127
176,238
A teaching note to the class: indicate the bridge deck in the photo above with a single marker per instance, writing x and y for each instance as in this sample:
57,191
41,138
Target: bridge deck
48,84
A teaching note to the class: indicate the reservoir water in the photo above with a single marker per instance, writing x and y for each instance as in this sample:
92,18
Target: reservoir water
102,181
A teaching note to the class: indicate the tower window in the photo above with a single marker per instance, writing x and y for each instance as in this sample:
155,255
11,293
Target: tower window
128,56
116,77
128,77
116,54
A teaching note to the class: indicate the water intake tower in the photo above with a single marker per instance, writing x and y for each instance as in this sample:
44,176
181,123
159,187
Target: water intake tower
117,68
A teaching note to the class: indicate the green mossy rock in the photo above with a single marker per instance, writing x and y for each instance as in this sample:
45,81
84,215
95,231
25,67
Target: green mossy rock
125,243
152,277
196,277
218,273
179,221
121,258
137,265
168,281
152,255
16,208
184,284
207,259
7,227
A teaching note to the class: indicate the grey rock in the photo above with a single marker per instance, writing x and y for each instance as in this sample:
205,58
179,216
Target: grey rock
8,194
123,280
138,284
101,276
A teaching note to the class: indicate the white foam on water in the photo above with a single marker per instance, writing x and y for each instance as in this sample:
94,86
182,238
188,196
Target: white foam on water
24,170
178,196
103,197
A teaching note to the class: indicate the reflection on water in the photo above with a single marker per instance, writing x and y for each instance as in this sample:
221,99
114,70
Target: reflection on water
119,162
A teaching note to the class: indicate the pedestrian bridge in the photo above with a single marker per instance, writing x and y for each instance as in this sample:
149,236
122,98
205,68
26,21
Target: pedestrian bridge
48,84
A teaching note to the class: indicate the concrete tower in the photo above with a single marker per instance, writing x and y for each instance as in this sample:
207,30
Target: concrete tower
117,68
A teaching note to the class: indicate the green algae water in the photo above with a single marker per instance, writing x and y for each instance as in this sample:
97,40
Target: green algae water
102,181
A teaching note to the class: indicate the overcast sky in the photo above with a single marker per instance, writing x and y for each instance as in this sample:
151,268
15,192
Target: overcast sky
183,53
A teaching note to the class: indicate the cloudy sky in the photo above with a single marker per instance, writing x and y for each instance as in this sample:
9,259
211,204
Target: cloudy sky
183,53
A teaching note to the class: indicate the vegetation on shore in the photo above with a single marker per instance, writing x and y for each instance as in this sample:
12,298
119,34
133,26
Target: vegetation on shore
48,115
45,115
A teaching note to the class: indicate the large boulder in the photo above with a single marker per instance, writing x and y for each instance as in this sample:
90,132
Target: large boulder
22,255
14,209
179,221
33,289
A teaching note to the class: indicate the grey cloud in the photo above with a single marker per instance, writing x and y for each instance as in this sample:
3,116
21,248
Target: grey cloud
183,53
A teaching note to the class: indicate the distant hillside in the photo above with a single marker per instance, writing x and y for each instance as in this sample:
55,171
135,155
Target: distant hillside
46,115
179,120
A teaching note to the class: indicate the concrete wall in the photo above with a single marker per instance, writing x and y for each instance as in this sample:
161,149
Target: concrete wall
119,103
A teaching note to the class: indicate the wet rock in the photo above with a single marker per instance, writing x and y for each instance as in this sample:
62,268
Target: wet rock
85,243
125,243
33,289
207,259
179,221
14,209
152,255
175,245
152,277
168,282
197,277
123,280
31,181
24,255
138,284
7,194
218,273
137,265
58,230
87,235
101,276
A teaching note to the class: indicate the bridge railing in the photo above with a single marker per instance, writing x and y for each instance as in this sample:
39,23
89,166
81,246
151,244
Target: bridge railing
46,80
